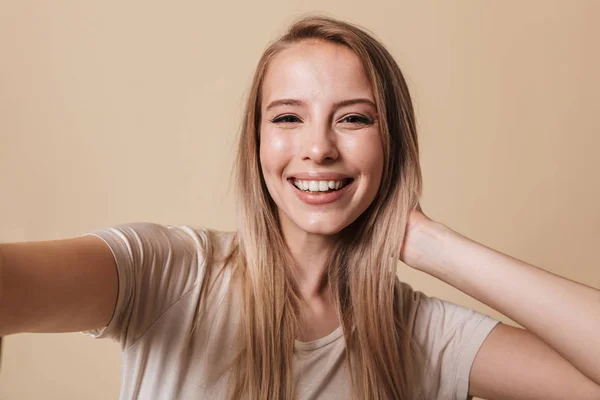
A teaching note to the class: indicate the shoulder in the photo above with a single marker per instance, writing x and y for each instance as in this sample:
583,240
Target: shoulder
139,238
422,312
448,337
157,266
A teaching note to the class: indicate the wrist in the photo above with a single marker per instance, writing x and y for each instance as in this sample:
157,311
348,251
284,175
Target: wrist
425,246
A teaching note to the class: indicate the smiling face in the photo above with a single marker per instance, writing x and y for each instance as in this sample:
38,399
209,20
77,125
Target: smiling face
320,148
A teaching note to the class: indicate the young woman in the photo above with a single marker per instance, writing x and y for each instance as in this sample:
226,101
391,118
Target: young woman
303,300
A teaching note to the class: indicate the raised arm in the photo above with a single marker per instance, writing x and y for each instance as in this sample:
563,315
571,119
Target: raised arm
560,350
56,286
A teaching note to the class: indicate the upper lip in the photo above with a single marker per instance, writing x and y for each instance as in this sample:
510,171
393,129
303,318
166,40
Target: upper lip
318,176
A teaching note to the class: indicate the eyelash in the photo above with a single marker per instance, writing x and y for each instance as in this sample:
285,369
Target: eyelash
280,119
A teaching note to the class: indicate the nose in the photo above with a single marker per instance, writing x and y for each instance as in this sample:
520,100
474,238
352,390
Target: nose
319,144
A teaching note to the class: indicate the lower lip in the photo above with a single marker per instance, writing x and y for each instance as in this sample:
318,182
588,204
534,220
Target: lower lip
320,198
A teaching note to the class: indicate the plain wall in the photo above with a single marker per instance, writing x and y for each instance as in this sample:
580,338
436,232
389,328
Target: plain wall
114,112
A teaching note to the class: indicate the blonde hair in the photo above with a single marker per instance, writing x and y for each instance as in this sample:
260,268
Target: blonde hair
361,270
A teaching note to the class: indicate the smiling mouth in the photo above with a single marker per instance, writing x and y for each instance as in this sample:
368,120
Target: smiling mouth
320,186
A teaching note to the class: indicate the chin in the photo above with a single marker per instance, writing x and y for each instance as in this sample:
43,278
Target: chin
322,227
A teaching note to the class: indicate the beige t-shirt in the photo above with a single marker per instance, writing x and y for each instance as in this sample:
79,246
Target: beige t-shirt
160,269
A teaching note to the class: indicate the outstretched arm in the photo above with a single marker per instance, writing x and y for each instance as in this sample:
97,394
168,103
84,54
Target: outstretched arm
564,314
54,286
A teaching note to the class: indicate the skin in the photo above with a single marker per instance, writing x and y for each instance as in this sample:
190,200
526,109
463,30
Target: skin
544,360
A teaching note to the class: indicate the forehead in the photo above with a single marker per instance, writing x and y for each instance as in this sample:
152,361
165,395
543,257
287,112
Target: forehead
316,70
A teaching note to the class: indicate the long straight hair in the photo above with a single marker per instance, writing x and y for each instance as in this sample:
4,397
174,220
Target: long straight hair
361,270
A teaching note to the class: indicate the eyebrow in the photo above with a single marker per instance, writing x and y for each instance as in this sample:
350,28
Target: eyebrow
297,103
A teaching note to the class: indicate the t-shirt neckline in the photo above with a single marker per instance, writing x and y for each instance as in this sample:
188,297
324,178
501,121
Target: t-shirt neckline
318,343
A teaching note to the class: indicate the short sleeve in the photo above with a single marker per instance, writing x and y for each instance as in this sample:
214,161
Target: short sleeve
449,337
156,266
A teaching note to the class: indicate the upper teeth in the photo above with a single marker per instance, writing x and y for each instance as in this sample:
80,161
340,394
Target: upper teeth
318,186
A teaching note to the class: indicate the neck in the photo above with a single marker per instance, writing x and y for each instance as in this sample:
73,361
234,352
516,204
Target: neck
309,252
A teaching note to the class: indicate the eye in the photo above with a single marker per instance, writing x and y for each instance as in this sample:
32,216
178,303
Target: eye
286,119
356,120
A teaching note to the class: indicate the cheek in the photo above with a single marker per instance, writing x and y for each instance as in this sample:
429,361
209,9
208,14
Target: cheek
275,151
366,153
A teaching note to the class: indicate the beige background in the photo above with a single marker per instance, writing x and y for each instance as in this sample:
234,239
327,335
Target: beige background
117,111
